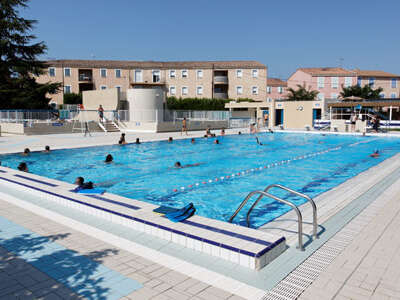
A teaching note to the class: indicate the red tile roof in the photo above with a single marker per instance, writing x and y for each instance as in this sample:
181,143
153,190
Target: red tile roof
125,64
328,71
276,82
375,73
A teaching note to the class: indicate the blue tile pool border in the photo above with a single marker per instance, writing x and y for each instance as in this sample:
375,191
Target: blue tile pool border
36,180
205,240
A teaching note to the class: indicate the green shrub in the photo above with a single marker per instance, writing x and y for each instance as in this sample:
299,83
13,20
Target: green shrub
174,103
72,98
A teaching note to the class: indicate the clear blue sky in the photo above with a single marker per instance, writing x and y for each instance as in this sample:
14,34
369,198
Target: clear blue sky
284,35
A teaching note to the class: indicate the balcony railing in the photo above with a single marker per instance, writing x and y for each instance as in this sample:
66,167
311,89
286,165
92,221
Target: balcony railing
85,77
220,95
220,79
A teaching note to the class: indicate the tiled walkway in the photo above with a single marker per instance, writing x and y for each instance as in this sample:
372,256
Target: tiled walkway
19,277
369,267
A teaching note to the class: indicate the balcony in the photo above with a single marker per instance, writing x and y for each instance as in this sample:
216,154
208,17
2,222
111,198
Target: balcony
85,77
221,79
220,95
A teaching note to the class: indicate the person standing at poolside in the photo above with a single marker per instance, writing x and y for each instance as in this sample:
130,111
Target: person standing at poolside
184,126
265,120
353,120
100,111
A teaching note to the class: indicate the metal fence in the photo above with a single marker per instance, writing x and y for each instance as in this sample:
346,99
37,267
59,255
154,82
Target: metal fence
201,115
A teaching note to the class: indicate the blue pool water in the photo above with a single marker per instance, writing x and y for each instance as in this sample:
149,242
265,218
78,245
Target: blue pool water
145,171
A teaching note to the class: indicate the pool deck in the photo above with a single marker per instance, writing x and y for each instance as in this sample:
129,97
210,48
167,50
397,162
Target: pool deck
359,219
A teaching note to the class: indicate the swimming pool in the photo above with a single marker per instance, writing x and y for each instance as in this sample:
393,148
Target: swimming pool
309,163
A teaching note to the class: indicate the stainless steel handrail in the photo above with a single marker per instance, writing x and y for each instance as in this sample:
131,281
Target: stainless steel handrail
314,207
296,209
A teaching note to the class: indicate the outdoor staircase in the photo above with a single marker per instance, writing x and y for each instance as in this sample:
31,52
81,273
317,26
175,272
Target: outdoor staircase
109,126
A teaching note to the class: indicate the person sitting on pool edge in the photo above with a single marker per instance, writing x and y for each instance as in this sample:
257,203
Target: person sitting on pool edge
375,154
178,165
23,167
26,152
122,139
82,185
47,149
137,141
109,159
222,131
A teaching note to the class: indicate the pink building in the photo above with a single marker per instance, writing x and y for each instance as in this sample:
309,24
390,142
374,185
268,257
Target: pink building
276,89
327,81
390,83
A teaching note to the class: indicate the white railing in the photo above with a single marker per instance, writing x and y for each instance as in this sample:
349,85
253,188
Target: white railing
240,122
201,115
21,116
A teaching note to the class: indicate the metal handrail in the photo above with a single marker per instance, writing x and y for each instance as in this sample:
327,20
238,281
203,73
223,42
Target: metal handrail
296,209
314,207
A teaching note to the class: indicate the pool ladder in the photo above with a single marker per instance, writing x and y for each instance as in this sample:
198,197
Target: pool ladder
265,193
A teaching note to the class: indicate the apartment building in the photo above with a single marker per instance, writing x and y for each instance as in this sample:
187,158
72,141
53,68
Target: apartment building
387,81
201,79
329,82
276,89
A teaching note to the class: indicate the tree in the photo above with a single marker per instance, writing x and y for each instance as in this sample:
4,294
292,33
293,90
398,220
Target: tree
19,63
365,92
301,93
72,98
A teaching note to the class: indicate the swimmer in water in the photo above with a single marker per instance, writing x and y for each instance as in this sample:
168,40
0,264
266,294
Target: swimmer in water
258,141
82,185
109,159
26,152
23,167
178,165
216,142
375,154
193,141
47,149
170,139
137,141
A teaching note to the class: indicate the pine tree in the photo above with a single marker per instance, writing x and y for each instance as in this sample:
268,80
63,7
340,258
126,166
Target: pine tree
19,63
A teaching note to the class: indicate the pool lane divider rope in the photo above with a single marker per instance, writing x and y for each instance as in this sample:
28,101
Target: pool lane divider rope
252,170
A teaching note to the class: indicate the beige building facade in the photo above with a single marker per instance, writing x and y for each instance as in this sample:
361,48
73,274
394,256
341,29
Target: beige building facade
193,79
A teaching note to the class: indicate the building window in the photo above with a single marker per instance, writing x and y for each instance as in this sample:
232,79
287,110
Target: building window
334,96
52,72
184,73
394,83
199,74
371,81
254,73
67,89
184,90
280,89
103,87
269,89
321,96
269,99
67,72
172,90
254,90
393,96
239,73
239,90
321,82
118,73
359,81
199,90
138,76
172,73
334,82
347,81
382,95
103,72
156,76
